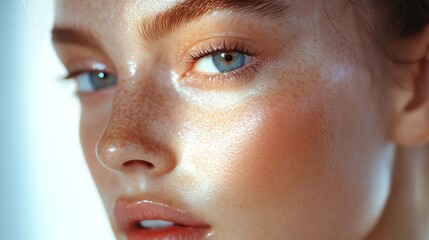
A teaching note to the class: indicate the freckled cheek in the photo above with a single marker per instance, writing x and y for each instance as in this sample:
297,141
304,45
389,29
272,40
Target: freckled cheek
275,152
253,150
285,159
270,165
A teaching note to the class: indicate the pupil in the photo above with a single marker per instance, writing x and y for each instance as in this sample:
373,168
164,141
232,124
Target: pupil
229,58
102,75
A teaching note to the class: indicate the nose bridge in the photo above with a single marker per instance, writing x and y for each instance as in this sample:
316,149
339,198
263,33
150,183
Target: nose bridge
138,128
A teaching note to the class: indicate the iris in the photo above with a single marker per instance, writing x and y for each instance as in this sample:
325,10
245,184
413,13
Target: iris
93,81
228,61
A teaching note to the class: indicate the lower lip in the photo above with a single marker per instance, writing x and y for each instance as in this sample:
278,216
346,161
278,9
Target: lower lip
170,233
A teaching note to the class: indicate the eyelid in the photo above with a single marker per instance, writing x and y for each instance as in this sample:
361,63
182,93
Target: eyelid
211,46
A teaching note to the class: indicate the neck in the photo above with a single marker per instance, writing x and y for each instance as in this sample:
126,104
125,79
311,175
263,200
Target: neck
406,215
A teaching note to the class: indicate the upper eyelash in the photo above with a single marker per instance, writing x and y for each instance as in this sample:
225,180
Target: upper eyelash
232,47
70,75
67,76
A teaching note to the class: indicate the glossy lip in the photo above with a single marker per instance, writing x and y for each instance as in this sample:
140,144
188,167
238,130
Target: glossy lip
129,212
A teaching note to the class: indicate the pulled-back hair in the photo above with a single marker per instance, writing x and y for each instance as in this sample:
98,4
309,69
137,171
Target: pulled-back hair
406,17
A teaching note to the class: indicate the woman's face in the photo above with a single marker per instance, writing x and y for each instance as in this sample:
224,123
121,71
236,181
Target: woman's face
255,119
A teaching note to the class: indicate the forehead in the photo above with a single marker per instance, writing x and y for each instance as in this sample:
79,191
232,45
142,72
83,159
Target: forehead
122,12
107,11
73,10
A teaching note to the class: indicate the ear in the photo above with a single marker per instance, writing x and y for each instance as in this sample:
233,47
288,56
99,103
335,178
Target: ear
411,124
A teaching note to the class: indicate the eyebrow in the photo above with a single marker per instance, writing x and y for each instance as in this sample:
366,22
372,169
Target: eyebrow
190,11
74,36
179,15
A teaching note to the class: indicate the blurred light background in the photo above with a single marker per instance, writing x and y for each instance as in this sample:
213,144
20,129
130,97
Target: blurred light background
46,192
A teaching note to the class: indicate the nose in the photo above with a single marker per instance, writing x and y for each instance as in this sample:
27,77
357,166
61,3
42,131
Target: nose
137,136
134,155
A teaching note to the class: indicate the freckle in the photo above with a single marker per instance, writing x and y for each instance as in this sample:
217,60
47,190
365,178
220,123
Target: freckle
295,95
274,30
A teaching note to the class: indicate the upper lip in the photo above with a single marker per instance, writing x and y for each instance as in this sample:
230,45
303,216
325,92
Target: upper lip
129,212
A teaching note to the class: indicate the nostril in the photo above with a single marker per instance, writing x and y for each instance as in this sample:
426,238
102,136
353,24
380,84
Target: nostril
133,158
136,164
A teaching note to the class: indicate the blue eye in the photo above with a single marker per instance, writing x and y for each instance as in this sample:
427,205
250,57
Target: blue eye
222,62
227,62
94,81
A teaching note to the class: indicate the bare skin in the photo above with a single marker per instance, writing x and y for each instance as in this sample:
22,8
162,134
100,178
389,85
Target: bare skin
309,139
